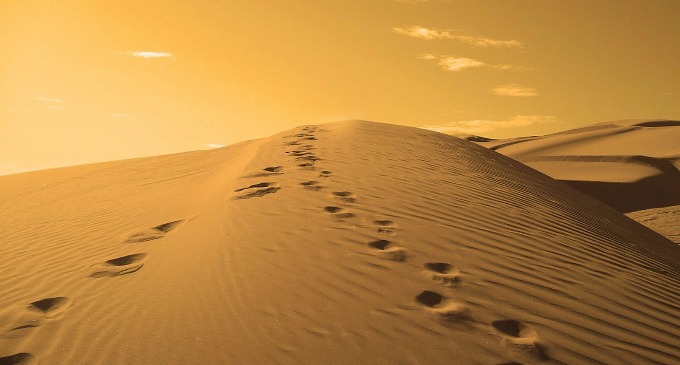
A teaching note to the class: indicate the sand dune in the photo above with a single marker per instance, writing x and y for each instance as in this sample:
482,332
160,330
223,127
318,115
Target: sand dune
631,165
351,242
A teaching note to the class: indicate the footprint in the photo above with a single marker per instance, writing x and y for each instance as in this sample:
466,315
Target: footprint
338,212
312,185
51,307
267,171
388,251
153,233
386,227
325,173
307,165
262,190
36,314
307,147
307,157
443,308
292,143
299,153
300,135
120,266
520,339
345,196
254,186
22,358
442,273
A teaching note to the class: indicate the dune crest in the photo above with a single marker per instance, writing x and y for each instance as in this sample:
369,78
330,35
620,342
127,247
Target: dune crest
349,242
631,165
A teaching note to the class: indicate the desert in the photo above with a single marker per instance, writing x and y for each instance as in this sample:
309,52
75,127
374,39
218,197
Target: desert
336,243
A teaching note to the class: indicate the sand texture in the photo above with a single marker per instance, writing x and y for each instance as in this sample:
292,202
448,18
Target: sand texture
345,243
638,159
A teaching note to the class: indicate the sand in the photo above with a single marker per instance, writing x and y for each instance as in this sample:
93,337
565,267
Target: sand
630,165
350,242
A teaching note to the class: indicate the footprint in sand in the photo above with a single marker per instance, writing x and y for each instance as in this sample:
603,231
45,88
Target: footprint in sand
520,339
443,308
442,273
338,212
306,165
257,190
299,153
325,173
267,171
309,157
303,135
22,358
312,185
120,266
37,313
51,307
388,250
345,196
153,233
385,226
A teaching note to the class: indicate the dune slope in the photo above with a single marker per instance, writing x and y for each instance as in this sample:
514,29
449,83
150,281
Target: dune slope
351,242
630,165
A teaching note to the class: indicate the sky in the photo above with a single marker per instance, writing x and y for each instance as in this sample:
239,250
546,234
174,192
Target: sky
86,81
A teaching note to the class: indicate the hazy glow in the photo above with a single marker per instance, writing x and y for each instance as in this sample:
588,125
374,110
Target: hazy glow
514,90
428,33
105,80
481,126
214,145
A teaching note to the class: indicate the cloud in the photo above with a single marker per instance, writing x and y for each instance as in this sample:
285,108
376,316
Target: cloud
428,56
214,145
458,63
417,31
451,63
147,54
48,100
481,125
514,90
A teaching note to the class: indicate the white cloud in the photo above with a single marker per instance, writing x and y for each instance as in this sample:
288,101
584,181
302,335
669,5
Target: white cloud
147,54
481,125
451,63
427,56
458,63
514,90
214,145
48,100
417,31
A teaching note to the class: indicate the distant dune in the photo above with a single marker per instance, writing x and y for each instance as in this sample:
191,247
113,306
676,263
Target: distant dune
345,243
631,165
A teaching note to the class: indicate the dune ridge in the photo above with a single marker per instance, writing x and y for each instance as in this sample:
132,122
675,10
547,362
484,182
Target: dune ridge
637,159
349,242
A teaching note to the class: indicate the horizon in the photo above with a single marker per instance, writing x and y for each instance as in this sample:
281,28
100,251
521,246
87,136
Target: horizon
86,83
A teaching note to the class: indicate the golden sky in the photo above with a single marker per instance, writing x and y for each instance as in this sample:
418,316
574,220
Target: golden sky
85,81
